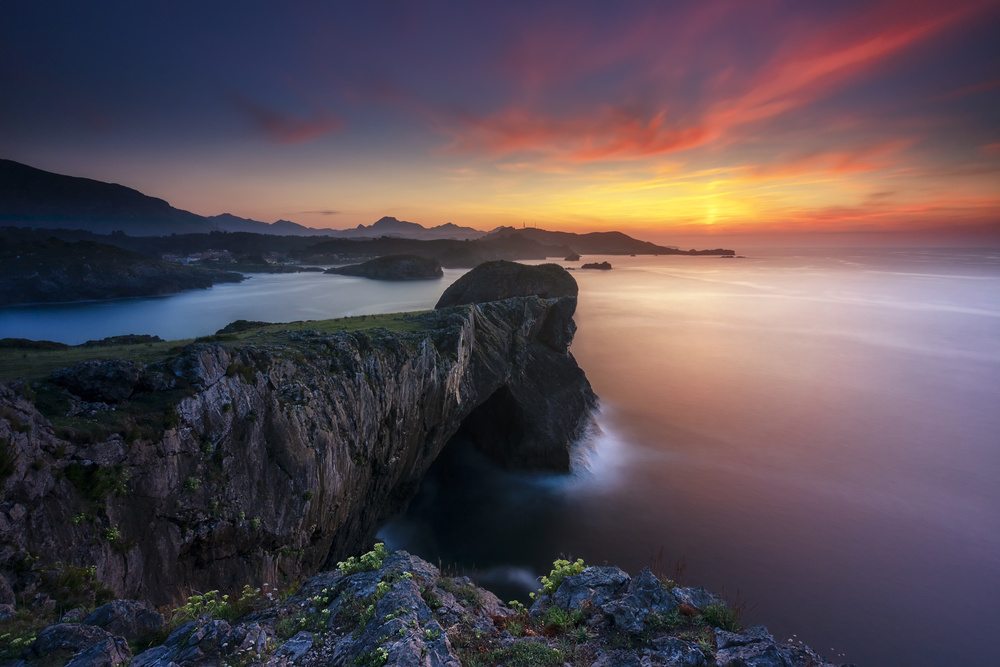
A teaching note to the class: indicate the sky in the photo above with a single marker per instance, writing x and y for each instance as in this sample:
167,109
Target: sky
680,120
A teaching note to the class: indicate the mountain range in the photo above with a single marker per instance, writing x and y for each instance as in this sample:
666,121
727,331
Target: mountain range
31,197
39,199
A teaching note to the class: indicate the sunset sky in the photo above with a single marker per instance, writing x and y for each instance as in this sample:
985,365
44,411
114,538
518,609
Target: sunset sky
668,120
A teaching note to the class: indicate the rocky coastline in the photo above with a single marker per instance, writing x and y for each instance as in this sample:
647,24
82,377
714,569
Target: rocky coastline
395,610
160,504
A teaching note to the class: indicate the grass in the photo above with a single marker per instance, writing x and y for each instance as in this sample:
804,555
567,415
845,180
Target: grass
35,361
145,416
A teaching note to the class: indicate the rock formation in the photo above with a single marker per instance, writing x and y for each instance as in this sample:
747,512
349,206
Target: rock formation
275,456
500,279
396,610
393,267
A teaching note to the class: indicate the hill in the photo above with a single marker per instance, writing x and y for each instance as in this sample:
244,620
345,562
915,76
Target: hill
34,269
38,198
597,243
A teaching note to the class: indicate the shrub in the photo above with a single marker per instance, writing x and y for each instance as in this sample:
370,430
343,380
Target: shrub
366,563
562,620
560,570
95,482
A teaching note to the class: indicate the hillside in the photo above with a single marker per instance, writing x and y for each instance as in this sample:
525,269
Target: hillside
597,243
38,198
34,269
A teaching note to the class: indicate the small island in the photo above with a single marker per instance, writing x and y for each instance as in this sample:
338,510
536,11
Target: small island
600,266
393,267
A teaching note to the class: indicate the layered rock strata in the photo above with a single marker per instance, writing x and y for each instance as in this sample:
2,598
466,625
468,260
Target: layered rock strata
282,458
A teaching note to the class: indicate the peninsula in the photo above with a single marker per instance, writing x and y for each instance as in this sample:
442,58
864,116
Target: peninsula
144,470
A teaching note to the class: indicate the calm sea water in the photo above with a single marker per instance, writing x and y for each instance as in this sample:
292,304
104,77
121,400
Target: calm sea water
814,433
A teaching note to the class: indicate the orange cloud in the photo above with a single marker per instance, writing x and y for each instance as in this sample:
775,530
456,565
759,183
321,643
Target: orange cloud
858,160
612,133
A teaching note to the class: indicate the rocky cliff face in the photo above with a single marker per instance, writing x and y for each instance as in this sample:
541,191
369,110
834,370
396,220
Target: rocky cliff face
285,458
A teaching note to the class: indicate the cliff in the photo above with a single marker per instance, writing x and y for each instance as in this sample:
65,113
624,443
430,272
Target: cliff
272,453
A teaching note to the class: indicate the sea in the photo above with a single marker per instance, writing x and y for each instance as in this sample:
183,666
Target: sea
813,433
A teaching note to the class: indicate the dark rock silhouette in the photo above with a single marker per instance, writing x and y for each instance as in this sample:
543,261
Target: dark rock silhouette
600,266
492,281
393,267
35,269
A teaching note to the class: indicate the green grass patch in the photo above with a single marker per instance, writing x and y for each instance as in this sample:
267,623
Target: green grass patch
36,360
95,483
722,616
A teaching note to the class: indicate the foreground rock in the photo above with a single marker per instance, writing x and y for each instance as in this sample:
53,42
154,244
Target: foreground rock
273,456
497,280
393,267
397,610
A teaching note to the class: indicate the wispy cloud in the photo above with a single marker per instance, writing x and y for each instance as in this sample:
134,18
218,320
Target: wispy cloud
319,212
795,74
286,128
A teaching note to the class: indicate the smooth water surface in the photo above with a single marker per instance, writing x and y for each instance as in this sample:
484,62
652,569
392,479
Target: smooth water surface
266,297
815,433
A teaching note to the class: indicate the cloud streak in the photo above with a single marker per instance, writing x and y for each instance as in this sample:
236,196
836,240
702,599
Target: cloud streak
797,74
285,128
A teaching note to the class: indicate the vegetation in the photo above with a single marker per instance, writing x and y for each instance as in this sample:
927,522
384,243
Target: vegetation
722,616
560,570
33,361
8,459
366,563
95,482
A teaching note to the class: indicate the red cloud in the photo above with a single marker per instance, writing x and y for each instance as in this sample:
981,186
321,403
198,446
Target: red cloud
805,66
613,133
286,129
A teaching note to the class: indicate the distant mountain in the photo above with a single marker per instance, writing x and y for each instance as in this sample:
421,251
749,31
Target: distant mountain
31,197
597,243
389,226
232,223
37,198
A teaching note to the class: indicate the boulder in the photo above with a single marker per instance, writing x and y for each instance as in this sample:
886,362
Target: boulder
592,588
697,598
494,281
645,595
393,267
128,618
76,645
